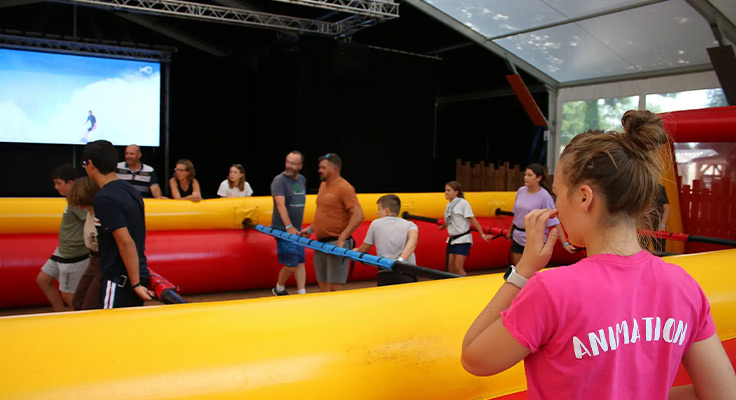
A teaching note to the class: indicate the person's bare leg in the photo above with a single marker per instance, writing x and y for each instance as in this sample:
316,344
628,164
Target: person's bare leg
324,286
515,258
46,283
68,299
300,274
334,287
284,274
451,263
460,264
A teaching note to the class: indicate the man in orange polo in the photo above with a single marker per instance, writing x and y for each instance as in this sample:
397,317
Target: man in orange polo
338,215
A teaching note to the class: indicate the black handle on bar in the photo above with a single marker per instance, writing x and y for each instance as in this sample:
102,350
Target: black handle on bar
399,266
406,215
711,240
501,212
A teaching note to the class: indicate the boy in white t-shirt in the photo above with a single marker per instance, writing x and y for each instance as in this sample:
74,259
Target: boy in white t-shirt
395,238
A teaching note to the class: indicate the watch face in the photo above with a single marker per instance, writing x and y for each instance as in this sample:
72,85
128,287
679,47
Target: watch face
508,272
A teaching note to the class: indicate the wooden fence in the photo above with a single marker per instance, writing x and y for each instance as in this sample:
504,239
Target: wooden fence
709,212
483,177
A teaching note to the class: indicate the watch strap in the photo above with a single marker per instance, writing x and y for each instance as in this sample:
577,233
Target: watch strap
514,278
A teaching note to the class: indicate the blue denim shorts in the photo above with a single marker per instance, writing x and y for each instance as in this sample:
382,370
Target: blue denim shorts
290,254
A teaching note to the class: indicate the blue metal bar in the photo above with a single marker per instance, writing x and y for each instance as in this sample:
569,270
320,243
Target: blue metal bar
380,262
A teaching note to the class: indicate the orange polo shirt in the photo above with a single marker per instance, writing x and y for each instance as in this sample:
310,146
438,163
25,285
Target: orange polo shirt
333,202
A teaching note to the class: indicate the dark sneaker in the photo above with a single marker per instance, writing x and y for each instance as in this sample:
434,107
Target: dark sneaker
281,293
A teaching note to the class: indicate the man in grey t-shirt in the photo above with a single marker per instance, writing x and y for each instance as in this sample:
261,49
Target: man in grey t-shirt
289,196
395,238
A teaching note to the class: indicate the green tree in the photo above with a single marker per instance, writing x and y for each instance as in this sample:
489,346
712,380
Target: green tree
716,98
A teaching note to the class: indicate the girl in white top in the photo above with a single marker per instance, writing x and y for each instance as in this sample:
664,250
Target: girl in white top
458,217
235,184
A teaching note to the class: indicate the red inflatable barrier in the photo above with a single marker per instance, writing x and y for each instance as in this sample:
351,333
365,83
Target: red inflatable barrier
716,124
228,260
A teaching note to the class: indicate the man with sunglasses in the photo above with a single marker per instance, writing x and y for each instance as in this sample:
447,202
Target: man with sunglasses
337,216
121,227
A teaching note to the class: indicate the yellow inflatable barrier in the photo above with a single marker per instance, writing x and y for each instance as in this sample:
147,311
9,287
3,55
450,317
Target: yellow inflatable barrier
43,215
394,342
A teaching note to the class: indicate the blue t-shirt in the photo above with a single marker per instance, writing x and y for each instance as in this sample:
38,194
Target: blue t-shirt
295,195
119,205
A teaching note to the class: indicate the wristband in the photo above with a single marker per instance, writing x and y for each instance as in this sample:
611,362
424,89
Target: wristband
565,244
136,285
289,226
309,229
401,259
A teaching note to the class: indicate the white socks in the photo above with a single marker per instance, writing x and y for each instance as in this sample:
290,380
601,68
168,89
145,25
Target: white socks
301,291
280,288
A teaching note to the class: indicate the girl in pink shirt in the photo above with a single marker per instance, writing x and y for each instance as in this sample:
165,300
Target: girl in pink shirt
617,324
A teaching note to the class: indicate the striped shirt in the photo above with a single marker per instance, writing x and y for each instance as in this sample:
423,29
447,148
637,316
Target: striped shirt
142,179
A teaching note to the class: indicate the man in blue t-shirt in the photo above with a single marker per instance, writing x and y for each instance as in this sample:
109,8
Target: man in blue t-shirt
121,227
289,195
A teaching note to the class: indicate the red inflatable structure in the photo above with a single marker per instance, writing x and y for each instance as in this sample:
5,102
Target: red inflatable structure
207,261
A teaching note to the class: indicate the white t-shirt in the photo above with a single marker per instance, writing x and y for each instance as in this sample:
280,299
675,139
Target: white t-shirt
90,233
226,191
456,217
389,234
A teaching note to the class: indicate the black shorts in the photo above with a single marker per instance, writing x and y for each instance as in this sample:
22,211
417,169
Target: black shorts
516,248
462,249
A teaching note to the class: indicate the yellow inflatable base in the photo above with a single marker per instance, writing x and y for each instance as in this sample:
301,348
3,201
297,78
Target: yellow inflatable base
395,342
43,215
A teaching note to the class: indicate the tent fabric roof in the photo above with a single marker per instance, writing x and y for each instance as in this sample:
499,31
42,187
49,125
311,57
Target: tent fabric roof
572,42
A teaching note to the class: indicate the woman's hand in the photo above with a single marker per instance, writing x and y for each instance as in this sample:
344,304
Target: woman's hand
536,252
569,247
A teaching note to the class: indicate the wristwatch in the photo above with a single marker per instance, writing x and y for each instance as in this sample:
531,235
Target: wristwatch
513,278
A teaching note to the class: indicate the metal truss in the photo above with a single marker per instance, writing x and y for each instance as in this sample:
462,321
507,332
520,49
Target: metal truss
373,8
197,11
81,48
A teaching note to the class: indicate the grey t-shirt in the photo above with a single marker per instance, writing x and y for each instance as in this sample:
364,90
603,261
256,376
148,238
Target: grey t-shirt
295,194
389,234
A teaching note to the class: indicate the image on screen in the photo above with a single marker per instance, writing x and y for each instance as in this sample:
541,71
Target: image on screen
68,99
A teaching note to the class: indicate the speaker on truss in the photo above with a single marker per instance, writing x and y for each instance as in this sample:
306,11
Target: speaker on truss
724,63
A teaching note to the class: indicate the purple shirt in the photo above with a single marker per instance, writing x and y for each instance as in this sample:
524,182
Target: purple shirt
524,204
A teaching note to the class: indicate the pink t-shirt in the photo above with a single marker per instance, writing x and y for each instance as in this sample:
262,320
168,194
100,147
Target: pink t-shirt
608,327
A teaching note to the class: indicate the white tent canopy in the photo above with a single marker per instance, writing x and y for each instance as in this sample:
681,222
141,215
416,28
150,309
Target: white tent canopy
577,48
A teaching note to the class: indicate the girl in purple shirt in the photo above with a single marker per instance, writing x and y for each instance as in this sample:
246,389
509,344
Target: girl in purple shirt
617,324
534,195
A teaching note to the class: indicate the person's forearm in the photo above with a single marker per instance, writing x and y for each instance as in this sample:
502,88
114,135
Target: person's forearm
356,218
156,191
665,215
477,226
364,247
501,301
129,254
411,245
284,214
